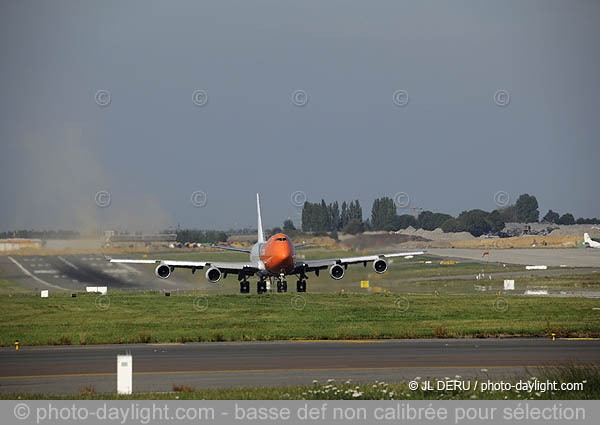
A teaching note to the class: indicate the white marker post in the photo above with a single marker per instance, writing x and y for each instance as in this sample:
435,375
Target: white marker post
44,293
509,285
536,267
124,374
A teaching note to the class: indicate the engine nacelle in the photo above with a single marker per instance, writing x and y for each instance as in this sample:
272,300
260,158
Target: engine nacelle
380,266
336,271
163,271
213,275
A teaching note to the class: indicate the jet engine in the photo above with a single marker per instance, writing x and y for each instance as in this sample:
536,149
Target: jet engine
380,266
213,275
163,271
336,271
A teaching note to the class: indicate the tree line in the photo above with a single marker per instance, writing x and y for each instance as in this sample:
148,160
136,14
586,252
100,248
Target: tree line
41,234
320,218
201,236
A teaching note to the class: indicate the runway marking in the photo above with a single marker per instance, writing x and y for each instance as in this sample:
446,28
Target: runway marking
232,343
28,273
353,341
205,372
45,271
89,347
581,339
67,262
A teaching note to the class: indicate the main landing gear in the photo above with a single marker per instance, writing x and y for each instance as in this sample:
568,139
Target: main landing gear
261,285
301,285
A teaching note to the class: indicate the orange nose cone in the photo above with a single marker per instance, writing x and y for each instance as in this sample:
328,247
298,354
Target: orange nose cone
279,255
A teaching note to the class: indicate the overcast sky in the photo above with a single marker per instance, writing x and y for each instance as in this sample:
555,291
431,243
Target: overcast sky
451,147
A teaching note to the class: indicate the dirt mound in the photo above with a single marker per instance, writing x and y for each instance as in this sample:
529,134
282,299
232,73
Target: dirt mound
436,235
381,240
552,240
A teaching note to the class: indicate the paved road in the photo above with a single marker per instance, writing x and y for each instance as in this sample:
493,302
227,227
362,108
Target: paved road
536,256
65,370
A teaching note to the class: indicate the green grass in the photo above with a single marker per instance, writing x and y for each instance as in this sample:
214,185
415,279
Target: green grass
9,287
132,318
570,285
589,375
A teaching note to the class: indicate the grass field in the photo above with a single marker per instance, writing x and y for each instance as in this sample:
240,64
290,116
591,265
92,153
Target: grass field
130,318
9,287
588,375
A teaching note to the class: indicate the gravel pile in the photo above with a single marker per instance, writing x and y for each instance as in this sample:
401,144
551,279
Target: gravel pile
436,235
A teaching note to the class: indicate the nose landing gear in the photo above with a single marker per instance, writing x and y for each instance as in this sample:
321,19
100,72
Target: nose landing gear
281,285
261,286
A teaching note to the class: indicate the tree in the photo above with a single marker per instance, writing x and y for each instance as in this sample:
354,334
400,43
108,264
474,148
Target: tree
383,213
429,220
306,217
508,214
289,228
275,230
566,219
353,227
355,211
475,221
551,217
334,212
403,221
325,219
344,215
191,235
453,225
582,220
495,221
527,208
321,217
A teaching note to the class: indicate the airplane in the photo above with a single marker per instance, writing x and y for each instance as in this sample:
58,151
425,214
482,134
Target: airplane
274,258
589,242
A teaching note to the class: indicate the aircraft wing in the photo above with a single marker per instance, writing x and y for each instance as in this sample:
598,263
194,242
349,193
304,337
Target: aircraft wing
312,265
230,248
224,266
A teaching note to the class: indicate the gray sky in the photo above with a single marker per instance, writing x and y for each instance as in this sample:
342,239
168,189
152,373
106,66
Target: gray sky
450,148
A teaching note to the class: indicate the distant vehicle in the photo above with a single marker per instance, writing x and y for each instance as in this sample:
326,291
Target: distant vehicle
589,242
274,258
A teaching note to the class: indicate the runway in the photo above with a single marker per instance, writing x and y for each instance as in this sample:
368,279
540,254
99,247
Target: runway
75,272
157,367
530,256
